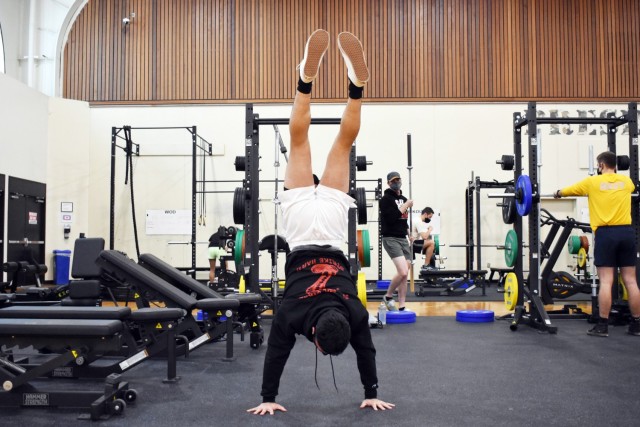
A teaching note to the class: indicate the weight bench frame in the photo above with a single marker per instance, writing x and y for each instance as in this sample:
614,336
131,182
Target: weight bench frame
461,277
141,335
72,339
248,312
149,287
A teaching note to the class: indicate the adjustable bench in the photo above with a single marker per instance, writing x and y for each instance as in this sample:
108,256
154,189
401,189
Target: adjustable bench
147,332
72,339
463,282
149,287
32,294
248,312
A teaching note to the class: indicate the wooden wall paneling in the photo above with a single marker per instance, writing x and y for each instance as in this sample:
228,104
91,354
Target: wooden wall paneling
232,51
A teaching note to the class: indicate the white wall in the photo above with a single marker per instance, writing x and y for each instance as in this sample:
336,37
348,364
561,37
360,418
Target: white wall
24,121
69,172
11,22
450,142
30,32
47,140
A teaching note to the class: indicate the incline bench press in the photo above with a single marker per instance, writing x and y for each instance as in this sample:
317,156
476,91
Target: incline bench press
149,287
248,312
71,339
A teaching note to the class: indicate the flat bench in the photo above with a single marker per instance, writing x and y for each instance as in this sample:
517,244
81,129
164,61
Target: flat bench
144,322
72,339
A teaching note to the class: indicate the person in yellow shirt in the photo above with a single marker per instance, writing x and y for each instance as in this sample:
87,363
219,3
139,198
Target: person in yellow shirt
614,237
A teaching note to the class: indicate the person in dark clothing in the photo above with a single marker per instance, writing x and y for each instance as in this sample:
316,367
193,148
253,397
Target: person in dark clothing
215,251
320,299
394,212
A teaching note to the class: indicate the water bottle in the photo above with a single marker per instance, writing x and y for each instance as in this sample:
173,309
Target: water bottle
382,313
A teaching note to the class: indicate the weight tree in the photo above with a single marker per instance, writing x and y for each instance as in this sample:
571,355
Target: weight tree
250,194
132,149
536,316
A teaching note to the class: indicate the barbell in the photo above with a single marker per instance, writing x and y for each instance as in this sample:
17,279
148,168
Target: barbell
240,163
510,247
523,195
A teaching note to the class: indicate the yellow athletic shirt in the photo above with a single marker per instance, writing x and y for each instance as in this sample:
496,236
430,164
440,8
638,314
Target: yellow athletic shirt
609,198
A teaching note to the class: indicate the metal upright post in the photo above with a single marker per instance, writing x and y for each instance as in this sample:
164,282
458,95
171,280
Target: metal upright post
112,199
517,225
351,233
380,232
632,118
194,190
252,193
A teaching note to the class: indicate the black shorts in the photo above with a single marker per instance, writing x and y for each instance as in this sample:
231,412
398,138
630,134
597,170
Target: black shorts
615,246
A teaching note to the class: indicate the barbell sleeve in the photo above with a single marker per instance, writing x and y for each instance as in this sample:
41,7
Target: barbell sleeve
500,195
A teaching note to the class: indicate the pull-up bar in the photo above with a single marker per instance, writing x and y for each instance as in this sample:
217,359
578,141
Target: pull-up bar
316,121
575,120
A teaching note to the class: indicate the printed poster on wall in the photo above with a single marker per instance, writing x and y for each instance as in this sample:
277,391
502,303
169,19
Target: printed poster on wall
168,221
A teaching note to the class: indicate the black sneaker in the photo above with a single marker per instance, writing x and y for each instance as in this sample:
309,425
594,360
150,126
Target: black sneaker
600,330
634,327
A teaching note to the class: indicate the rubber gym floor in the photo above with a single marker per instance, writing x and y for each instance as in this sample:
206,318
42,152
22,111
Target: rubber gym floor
437,371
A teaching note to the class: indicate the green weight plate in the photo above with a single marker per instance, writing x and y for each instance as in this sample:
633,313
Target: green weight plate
366,243
436,243
511,248
574,244
238,249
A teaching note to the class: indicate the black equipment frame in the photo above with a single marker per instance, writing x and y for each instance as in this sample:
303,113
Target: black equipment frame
552,248
473,223
130,148
2,214
250,262
535,314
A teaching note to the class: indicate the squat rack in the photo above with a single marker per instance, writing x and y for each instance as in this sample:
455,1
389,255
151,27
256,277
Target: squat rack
473,220
536,316
130,148
251,187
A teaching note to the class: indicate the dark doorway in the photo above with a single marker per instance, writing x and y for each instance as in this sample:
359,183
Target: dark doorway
2,205
26,211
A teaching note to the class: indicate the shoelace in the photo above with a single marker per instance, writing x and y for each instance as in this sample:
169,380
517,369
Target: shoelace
315,373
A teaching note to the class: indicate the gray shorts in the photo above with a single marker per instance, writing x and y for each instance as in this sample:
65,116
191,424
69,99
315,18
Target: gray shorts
396,247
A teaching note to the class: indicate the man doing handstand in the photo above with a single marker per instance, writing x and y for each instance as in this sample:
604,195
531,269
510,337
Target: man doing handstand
320,299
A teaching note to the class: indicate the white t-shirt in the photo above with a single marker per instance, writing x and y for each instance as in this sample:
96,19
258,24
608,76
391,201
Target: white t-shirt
418,227
315,216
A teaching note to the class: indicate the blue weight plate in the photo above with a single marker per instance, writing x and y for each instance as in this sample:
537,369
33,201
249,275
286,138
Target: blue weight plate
524,185
405,316
475,316
383,284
